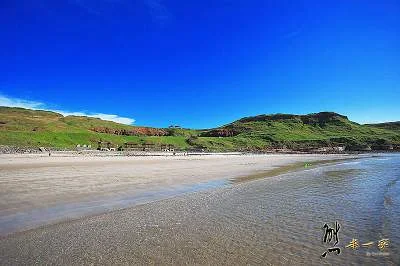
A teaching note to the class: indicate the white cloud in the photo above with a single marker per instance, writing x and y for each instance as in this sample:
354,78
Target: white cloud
16,102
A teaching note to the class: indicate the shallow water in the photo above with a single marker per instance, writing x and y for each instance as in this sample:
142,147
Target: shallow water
270,221
14,221
286,214
36,217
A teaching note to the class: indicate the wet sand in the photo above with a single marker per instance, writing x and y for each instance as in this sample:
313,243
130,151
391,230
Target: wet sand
268,221
37,189
256,219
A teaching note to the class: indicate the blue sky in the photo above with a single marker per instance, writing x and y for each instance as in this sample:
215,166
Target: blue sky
201,63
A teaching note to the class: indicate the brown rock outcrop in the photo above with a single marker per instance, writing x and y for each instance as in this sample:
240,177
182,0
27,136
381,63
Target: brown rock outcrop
137,131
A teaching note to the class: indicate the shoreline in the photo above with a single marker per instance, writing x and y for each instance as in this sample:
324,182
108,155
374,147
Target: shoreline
15,150
236,181
48,190
222,225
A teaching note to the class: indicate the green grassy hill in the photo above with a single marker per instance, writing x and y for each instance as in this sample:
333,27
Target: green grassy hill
325,129
30,128
389,125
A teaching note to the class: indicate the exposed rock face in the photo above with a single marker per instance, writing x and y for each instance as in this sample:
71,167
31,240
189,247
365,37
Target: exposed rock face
358,147
387,147
382,145
137,131
4,149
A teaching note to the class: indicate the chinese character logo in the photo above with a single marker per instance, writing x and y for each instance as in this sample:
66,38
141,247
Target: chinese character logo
331,235
353,244
383,243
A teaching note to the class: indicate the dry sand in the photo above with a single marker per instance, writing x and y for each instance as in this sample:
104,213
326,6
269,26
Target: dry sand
38,189
266,221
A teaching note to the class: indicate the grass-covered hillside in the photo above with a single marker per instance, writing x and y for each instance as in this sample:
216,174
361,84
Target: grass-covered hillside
30,128
389,125
299,132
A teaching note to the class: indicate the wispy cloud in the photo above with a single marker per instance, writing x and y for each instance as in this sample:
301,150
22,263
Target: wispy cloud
294,33
158,10
100,8
17,102
86,6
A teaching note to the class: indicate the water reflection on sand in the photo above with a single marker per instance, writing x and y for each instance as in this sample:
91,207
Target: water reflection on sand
271,221
287,214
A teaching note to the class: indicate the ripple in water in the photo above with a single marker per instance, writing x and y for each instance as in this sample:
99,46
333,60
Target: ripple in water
279,221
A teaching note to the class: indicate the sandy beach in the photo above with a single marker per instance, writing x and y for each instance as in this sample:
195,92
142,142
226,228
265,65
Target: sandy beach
171,208
37,189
